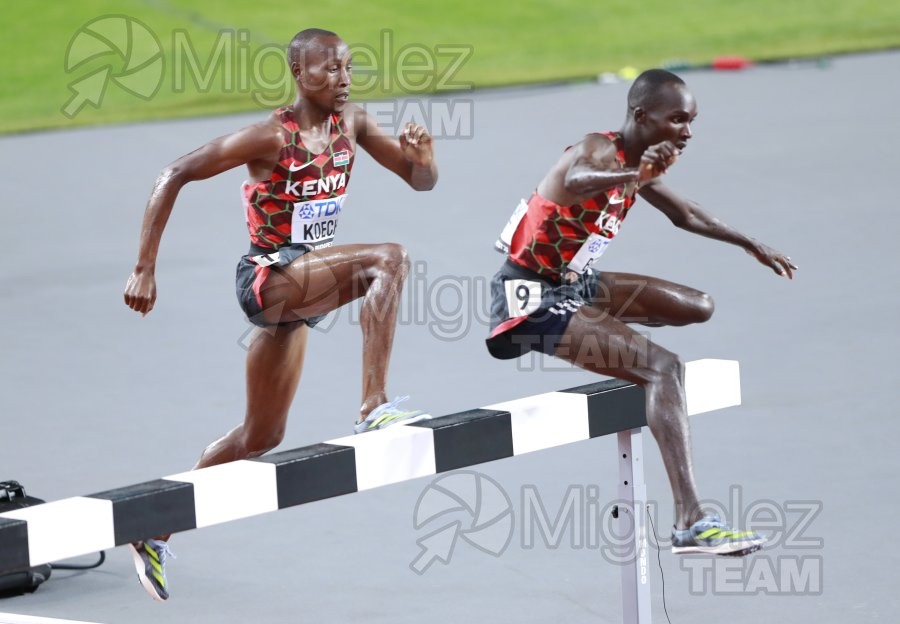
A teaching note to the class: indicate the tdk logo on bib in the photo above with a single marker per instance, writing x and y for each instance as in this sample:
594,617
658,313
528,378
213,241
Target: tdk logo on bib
314,222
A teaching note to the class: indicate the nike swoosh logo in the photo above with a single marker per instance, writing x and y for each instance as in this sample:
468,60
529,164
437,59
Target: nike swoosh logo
616,200
295,167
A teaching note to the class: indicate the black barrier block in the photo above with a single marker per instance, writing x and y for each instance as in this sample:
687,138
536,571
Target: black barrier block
13,545
468,438
150,509
613,405
313,473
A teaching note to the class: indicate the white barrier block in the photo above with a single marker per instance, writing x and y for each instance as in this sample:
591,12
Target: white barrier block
711,385
232,491
67,528
546,420
391,455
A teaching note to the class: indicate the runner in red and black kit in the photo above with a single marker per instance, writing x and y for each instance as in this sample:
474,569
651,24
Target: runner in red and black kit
280,230
299,163
549,297
544,241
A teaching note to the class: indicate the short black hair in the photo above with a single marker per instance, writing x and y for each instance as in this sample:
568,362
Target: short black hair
303,40
647,87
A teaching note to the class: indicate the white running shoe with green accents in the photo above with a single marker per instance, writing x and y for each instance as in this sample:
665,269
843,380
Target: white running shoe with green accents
388,414
150,558
711,536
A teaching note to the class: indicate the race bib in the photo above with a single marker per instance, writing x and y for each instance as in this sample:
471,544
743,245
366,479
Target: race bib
505,241
522,296
314,222
588,253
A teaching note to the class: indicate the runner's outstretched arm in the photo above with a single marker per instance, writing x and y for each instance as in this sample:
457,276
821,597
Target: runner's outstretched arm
689,216
248,145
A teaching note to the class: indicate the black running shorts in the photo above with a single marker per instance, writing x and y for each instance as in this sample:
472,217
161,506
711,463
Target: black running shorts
530,312
251,274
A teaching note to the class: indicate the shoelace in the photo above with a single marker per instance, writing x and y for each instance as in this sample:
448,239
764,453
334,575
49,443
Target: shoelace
393,404
164,551
390,406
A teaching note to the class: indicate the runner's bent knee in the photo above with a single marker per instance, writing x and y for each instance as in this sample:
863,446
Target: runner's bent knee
704,306
665,365
392,259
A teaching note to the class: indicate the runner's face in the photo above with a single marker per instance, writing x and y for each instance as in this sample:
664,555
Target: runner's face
670,119
325,75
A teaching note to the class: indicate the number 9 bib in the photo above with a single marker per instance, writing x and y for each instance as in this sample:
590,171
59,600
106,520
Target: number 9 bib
522,296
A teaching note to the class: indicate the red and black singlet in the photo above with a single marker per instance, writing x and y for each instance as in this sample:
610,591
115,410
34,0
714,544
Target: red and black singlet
302,200
551,240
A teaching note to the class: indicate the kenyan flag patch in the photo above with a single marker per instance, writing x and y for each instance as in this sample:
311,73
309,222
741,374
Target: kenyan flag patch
341,158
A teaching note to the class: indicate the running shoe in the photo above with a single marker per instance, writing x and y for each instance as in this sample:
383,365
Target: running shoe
710,535
150,563
388,414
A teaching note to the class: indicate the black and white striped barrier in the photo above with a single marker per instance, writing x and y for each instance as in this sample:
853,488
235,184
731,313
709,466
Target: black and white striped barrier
85,524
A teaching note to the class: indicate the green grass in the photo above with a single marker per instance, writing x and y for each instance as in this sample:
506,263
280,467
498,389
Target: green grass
511,41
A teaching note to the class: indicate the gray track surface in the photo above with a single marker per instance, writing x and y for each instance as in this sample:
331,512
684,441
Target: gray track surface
96,397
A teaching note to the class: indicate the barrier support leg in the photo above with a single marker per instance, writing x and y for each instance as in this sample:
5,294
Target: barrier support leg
632,513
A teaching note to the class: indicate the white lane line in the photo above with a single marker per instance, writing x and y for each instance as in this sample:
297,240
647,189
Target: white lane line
12,618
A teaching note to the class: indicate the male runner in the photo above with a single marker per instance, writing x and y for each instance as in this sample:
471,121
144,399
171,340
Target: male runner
299,162
546,297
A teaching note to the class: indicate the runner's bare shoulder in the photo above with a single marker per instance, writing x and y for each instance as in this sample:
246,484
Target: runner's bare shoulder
596,149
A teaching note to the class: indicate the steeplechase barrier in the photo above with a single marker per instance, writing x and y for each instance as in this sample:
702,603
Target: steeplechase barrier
191,500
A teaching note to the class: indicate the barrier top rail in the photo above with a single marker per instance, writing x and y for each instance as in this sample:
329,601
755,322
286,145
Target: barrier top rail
190,500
